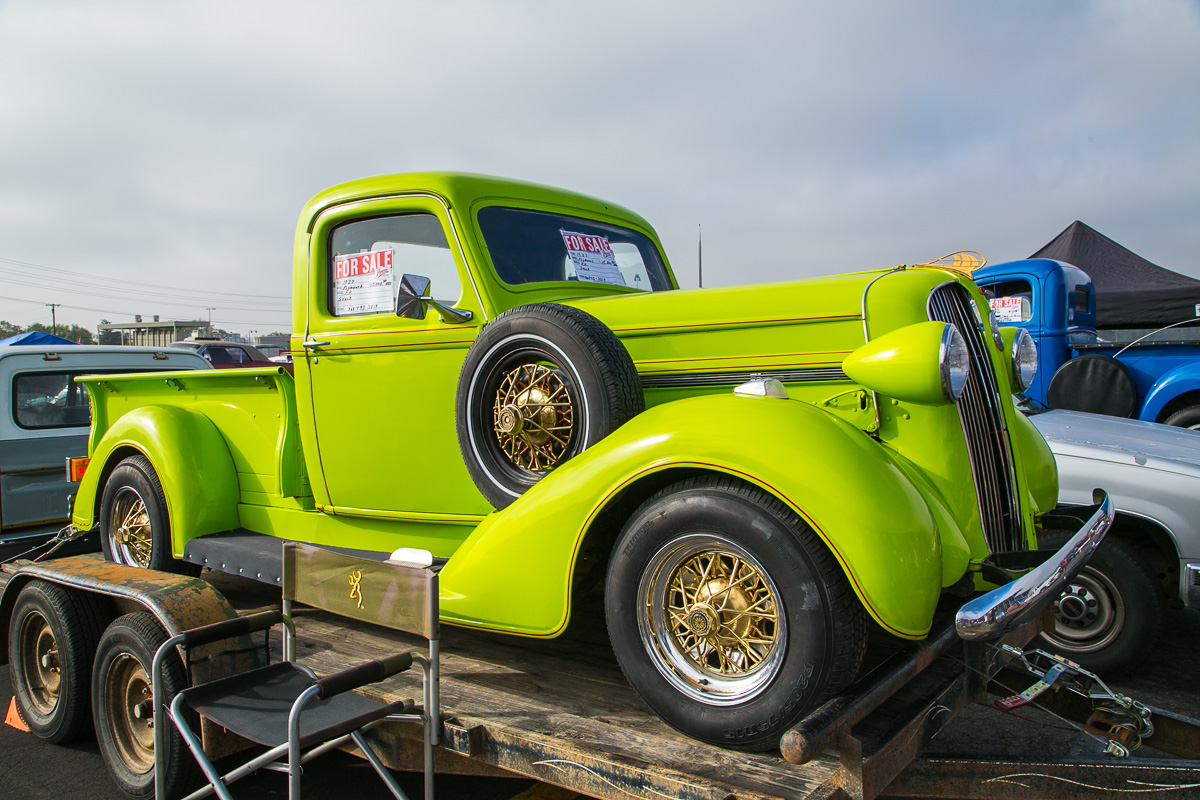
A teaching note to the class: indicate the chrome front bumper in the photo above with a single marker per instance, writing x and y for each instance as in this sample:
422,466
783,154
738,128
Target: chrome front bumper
1013,604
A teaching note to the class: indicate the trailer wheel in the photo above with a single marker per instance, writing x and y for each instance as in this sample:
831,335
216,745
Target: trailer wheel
134,528
542,383
1111,615
1185,418
123,709
52,636
729,617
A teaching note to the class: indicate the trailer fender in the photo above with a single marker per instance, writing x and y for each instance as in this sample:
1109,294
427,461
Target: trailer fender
193,463
1175,383
178,602
514,572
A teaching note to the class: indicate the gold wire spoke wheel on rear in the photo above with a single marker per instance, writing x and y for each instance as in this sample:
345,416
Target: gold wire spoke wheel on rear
533,416
712,615
39,663
127,695
130,532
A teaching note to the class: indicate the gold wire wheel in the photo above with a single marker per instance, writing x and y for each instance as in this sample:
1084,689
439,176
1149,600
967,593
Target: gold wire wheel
127,696
39,663
534,417
713,615
130,534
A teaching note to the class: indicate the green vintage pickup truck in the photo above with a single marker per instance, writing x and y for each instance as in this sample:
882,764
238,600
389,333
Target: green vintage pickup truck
504,379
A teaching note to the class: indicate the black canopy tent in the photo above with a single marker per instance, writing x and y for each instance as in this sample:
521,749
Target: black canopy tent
1131,292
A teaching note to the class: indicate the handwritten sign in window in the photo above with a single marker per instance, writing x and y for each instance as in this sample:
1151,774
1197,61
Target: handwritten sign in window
362,283
593,258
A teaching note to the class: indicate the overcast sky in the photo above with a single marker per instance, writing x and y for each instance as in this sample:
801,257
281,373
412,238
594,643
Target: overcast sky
154,156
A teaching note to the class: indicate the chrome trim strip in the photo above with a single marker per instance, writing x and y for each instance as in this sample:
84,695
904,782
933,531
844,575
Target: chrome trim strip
1191,586
1012,605
674,380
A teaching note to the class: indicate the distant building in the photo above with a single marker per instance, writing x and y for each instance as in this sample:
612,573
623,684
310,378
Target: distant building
150,334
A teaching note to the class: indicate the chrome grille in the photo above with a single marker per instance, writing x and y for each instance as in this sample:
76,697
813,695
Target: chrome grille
982,417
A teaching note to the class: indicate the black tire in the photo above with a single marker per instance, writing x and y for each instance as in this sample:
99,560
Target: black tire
1111,615
123,711
513,424
134,527
808,639
1185,418
52,637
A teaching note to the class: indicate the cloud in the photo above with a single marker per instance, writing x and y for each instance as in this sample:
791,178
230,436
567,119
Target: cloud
175,144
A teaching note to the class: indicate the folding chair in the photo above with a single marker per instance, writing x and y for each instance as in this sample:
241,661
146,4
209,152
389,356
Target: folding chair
287,708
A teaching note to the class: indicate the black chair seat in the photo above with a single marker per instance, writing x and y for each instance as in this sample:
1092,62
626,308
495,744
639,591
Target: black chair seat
256,705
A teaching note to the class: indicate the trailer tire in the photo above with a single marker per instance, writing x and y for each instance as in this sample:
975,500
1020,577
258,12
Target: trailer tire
727,614
1110,617
52,637
121,692
134,527
514,425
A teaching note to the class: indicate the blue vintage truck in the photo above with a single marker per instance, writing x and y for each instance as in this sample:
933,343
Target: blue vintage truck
1155,379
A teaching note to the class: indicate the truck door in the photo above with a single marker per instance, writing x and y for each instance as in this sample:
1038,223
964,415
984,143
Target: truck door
383,386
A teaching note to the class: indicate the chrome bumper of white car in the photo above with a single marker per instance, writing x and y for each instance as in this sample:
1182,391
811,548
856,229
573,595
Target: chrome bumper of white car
1191,585
1013,604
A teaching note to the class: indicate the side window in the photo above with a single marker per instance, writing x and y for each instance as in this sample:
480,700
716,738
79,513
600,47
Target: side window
1081,299
1011,300
50,400
368,257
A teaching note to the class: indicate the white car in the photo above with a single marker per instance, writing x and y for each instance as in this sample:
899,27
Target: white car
1111,616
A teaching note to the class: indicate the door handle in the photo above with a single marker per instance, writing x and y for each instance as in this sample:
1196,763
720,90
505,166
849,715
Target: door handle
313,343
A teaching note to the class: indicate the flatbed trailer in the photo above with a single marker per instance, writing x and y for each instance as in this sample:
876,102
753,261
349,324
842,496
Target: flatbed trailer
561,712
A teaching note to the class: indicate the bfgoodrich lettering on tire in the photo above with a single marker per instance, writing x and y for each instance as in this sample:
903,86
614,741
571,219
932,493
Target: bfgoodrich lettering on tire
728,615
541,384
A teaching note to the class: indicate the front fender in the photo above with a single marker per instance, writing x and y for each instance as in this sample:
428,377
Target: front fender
192,461
1181,380
514,572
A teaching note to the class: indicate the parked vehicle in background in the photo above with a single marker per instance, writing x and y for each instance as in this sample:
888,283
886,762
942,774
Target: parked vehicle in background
224,354
44,419
1111,616
1156,380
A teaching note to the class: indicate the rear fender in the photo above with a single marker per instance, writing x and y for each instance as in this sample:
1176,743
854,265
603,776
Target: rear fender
191,459
514,572
1175,383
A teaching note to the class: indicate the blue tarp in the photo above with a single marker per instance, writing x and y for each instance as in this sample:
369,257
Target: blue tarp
35,337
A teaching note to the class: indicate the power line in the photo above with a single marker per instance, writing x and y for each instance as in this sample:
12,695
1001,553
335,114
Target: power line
110,280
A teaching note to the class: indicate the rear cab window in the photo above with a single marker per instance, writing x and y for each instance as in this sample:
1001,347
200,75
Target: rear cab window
50,400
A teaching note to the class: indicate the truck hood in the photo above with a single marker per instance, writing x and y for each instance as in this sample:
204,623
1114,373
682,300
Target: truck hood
1120,441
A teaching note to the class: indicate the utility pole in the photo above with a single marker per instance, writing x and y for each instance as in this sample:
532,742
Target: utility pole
53,324
210,310
700,254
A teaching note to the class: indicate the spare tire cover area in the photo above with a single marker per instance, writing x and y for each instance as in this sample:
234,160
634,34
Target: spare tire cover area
539,385
1094,383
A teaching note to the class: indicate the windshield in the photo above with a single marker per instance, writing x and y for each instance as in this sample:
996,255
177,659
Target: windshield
535,247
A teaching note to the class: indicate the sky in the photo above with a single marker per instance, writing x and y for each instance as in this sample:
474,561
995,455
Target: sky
154,156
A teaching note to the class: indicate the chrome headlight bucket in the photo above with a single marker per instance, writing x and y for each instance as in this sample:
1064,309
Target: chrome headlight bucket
954,362
1024,360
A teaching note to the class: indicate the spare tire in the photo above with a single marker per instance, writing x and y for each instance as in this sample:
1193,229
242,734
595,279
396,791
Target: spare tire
540,384
1094,383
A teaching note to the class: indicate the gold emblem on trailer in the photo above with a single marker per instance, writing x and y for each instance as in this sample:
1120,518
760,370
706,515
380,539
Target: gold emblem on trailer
356,587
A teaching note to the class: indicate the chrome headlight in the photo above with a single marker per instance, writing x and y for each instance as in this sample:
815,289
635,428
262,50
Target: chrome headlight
1024,360
955,362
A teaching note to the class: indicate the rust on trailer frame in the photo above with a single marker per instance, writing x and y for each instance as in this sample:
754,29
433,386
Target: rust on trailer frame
177,601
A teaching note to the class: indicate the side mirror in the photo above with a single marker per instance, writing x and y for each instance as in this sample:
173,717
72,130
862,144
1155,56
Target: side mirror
413,301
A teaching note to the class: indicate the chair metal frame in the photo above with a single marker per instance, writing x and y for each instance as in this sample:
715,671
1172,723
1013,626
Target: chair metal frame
310,574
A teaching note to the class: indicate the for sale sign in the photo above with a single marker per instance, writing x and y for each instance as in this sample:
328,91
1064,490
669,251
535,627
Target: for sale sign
362,283
593,258
1010,309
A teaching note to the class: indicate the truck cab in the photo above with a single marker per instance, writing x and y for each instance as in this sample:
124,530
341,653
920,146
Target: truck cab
1154,379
